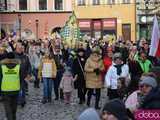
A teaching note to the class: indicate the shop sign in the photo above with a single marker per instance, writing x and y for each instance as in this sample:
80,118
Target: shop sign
84,24
97,24
109,23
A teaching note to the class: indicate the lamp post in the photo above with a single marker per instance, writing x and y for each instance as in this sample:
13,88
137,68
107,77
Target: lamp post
37,28
146,14
20,21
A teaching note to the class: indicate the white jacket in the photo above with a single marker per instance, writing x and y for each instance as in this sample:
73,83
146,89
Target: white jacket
111,77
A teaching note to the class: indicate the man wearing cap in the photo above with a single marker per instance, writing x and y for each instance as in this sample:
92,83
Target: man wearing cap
150,92
10,84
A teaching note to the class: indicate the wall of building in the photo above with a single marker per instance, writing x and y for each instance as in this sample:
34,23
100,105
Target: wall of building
33,5
46,21
124,13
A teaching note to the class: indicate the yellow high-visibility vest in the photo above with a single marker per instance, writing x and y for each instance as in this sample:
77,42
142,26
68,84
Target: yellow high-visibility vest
11,79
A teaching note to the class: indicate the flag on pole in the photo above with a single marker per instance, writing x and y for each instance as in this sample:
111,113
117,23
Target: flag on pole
155,40
71,32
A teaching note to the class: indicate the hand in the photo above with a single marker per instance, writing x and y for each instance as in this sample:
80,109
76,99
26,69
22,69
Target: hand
97,71
76,76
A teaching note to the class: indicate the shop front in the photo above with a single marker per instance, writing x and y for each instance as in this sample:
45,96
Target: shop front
98,28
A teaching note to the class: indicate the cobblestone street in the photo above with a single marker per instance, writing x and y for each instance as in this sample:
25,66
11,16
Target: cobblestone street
57,110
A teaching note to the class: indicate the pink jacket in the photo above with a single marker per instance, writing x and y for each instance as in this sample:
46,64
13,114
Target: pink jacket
67,83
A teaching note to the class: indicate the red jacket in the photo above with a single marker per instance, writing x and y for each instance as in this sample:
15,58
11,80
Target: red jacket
107,63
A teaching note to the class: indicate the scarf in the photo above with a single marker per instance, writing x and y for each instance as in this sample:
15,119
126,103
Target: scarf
119,68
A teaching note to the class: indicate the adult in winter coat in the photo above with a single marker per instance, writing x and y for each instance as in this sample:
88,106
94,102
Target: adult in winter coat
11,77
144,63
134,69
47,72
93,67
107,61
151,92
116,71
78,69
26,69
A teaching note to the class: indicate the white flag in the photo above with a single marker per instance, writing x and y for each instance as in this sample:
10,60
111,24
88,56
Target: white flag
155,40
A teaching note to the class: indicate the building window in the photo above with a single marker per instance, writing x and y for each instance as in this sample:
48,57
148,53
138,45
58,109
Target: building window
96,2
126,1
81,2
22,4
58,4
3,5
111,1
42,4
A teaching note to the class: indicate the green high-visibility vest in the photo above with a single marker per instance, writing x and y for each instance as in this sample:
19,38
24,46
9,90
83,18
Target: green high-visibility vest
11,79
145,66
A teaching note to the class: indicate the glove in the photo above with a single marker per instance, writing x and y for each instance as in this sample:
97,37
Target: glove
97,71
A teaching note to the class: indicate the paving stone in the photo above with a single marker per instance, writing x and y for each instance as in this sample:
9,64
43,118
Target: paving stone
57,110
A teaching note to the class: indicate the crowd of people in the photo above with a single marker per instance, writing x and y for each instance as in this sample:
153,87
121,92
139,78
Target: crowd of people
124,68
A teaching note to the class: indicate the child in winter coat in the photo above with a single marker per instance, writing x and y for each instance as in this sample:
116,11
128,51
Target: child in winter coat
67,85
47,72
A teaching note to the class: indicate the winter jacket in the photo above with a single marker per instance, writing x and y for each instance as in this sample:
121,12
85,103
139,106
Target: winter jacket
26,66
92,79
111,78
67,83
11,63
80,82
145,65
47,68
35,60
107,63
152,100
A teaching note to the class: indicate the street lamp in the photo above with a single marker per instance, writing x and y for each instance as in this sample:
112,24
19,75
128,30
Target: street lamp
20,21
37,28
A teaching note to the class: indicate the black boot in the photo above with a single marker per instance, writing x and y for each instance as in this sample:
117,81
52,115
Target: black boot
89,95
44,100
97,105
88,100
61,94
88,103
56,92
80,101
49,99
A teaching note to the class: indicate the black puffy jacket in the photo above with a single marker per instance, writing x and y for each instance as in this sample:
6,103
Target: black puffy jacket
152,100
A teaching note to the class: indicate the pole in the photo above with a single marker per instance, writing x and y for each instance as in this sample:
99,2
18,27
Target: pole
37,28
20,21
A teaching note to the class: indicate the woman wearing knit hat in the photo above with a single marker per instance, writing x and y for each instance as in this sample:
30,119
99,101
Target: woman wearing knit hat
151,92
148,95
